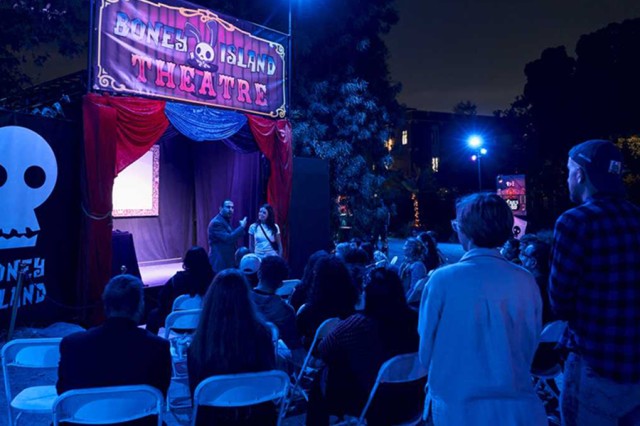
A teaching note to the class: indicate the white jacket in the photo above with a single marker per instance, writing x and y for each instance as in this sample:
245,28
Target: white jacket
480,320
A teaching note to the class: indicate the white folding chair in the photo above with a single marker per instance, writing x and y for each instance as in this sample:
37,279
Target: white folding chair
548,381
287,288
178,328
114,404
32,354
399,369
186,321
275,336
241,390
323,330
184,301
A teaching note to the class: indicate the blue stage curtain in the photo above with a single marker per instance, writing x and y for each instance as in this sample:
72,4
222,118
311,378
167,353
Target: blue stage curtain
201,123
242,142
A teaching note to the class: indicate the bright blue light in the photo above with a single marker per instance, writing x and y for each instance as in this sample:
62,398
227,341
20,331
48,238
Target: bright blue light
483,151
474,157
475,141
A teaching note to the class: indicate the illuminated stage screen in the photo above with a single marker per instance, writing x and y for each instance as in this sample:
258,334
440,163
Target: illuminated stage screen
136,188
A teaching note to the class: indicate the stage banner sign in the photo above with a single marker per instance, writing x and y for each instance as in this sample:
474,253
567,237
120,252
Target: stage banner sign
513,190
182,52
39,215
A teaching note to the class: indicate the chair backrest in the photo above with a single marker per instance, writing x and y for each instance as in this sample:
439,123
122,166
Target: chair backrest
183,320
184,301
399,369
104,405
287,288
27,353
32,353
553,331
275,336
325,328
240,390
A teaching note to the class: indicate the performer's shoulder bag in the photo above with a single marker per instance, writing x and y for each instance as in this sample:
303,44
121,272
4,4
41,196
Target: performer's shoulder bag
274,243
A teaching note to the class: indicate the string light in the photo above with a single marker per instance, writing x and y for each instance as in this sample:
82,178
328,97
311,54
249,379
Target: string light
416,211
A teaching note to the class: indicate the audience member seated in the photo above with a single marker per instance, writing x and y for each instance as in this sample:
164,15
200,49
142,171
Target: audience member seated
301,292
432,261
240,253
412,269
511,250
535,258
355,350
332,295
249,266
434,238
341,249
479,325
273,270
357,260
117,353
231,339
369,249
193,280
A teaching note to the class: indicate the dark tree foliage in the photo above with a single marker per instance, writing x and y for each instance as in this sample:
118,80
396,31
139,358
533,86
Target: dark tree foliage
344,102
31,30
568,100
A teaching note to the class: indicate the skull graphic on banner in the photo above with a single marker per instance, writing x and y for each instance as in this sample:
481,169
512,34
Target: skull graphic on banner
28,174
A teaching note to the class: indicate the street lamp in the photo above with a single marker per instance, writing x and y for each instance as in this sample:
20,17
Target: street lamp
475,142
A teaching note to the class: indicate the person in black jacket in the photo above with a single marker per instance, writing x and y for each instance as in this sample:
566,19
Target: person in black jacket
117,353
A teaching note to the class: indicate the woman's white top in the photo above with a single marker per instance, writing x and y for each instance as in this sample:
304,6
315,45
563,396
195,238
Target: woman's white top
262,246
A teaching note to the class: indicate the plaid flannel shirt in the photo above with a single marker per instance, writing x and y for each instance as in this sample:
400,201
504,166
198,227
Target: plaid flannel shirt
595,284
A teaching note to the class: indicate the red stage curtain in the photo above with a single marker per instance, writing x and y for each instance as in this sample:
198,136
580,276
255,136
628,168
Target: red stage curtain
274,140
100,137
140,124
117,131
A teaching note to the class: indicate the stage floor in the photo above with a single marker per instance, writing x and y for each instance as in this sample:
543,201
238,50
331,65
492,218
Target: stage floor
158,272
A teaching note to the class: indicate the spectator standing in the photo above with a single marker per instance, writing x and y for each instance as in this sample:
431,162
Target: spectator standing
231,339
116,353
479,324
264,235
595,286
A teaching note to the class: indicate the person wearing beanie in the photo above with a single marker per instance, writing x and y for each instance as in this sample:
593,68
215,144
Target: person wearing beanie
594,285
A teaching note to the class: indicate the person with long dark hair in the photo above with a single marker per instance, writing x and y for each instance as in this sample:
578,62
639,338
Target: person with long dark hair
231,338
194,279
355,350
301,292
333,294
264,235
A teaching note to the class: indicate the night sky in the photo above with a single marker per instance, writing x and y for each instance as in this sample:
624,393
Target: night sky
448,51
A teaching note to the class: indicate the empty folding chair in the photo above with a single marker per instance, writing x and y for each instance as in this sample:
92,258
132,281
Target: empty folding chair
287,288
31,354
399,369
323,330
184,302
242,390
114,404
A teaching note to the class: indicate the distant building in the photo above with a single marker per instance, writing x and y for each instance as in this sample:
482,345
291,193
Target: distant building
431,155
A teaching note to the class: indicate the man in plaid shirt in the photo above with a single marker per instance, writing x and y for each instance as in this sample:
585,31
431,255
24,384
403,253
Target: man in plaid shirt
595,286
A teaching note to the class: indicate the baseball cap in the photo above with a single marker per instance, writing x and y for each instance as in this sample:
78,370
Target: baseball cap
602,161
249,264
